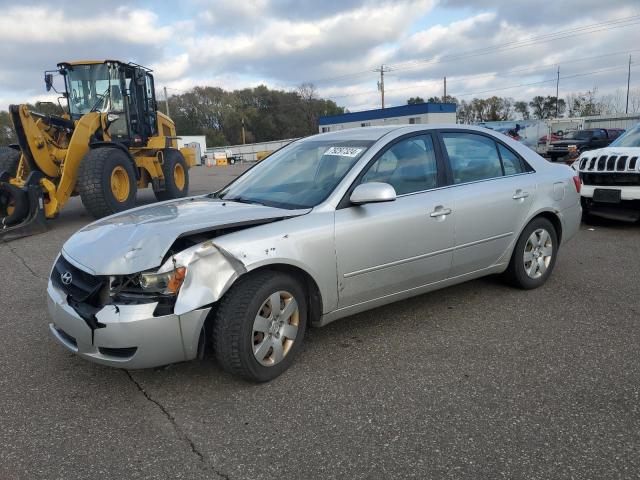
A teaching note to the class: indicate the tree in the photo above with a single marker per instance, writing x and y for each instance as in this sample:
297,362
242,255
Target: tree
545,107
522,108
415,100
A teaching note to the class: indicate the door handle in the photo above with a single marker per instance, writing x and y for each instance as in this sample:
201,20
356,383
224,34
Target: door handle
520,195
440,212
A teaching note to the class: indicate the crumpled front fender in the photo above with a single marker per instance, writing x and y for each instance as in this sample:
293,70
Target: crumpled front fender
210,272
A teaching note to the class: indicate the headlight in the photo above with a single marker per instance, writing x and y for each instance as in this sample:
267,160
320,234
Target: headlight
168,283
112,117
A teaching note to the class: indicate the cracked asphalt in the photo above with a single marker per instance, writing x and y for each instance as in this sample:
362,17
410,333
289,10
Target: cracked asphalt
474,381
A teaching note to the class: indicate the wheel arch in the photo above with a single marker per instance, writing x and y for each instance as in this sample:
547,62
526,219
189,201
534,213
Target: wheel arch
553,217
314,296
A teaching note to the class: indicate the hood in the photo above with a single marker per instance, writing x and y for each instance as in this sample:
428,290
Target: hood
138,239
617,151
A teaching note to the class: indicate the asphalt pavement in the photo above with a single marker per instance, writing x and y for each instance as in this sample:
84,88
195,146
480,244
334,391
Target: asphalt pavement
475,381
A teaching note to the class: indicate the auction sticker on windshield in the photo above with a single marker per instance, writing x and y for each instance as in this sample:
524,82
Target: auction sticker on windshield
344,151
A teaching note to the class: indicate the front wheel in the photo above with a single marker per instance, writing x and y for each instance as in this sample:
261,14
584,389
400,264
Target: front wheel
534,255
107,181
259,325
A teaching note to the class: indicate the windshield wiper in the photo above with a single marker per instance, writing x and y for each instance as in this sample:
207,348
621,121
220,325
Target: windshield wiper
241,199
101,99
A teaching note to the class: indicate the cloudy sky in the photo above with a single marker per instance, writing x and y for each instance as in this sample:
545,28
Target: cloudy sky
484,47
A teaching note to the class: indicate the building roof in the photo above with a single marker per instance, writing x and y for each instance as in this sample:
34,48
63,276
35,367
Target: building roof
401,111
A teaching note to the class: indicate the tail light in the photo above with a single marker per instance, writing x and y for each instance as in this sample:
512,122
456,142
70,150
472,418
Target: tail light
577,183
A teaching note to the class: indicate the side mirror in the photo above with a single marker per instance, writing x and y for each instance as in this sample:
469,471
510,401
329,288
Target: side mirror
48,81
372,192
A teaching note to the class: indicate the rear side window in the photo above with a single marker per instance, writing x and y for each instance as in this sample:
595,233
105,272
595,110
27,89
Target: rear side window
472,157
511,162
409,166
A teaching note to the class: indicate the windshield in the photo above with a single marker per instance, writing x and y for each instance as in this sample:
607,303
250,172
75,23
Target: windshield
631,138
94,88
301,175
578,135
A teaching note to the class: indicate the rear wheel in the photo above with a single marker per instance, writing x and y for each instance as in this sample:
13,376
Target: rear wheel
534,255
176,176
9,160
107,182
259,325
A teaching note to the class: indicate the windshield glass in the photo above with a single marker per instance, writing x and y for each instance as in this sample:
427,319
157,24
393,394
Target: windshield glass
579,135
631,138
94,88
301,175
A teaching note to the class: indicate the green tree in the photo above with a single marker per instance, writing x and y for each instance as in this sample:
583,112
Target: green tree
415,100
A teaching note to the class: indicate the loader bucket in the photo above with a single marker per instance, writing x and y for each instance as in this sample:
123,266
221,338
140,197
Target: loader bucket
21,208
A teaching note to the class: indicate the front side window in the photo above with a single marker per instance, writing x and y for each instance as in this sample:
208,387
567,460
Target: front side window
408,166
472,157
301,175
599,134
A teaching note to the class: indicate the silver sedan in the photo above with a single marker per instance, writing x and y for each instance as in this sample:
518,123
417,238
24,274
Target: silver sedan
326,227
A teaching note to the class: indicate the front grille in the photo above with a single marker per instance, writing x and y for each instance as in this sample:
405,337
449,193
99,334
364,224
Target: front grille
610,179
608,163
80,286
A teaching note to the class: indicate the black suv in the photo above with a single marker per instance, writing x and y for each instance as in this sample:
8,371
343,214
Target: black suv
583,140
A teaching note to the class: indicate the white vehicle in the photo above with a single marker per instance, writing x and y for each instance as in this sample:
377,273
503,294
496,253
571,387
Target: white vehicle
610,178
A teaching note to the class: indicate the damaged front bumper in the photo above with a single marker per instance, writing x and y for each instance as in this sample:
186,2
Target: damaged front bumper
129,336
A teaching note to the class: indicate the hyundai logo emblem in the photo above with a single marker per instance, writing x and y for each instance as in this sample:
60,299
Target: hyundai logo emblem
66,278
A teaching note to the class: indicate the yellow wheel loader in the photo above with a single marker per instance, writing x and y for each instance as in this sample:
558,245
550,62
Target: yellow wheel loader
111,141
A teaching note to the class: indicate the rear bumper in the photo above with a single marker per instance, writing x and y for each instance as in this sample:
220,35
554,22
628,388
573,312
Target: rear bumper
570,219
131,337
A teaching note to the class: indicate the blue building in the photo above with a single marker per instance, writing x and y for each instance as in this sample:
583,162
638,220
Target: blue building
404,114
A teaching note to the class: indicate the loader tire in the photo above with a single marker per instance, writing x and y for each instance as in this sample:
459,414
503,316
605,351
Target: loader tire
107,182
176,176
9,160
14,204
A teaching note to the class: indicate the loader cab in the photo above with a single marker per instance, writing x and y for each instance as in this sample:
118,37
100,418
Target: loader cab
125,92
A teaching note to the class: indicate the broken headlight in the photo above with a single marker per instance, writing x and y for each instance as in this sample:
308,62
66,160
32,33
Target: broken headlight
167,283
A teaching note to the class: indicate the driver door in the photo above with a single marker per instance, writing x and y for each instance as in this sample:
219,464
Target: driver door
391,247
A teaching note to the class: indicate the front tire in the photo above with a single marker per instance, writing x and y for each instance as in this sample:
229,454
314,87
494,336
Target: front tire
534,255
107,182
259,325
176,176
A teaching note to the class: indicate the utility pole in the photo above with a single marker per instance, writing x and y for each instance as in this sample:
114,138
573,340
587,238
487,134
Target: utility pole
557,90
626,110
382,69
444,99
166,101
244,139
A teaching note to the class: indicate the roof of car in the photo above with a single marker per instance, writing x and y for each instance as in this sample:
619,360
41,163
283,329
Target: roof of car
377,132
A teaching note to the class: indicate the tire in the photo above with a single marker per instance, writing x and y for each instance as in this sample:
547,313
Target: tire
9,160
234,334
519,273
14,204
100,196
175,186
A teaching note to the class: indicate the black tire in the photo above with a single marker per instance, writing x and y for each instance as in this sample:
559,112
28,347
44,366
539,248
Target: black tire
516,273
233,334
173,159
9,160
94,181
14,204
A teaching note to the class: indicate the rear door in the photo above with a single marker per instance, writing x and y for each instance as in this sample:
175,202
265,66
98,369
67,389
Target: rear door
493,194
386,248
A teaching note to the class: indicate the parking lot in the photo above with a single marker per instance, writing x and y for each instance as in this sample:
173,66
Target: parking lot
475,381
